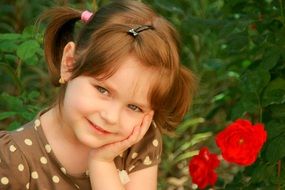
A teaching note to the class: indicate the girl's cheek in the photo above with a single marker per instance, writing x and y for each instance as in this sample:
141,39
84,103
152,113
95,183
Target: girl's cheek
130,125
129,120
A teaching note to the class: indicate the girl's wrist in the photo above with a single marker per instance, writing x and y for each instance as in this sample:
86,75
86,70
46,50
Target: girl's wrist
102,172
95,158
99,163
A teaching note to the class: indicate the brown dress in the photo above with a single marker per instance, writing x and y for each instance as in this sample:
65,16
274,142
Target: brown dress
27,160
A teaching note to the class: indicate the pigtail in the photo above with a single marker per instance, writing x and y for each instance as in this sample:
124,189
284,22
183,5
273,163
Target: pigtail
58,33
186,87
175,105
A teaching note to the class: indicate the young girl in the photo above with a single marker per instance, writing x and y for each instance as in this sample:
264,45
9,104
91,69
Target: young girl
121,84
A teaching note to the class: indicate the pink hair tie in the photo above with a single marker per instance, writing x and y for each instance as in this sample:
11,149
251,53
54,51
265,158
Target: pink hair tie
85,16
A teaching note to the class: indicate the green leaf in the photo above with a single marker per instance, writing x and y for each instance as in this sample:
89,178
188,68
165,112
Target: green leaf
10,72
197,138
189,123
277,110
10,58
237,41
27,115
238,110
185,155
13,126
5,115
250,102
255,81
275,128
27,49
34,60
275,149
172,7
33,95
12,103
274,92
270,58
28,32
259,173
226,29
8,36
201,25
8,46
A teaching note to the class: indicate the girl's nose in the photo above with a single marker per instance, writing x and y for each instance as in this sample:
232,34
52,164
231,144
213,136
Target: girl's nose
111,114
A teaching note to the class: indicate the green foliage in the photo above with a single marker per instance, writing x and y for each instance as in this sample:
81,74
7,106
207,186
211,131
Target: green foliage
235,47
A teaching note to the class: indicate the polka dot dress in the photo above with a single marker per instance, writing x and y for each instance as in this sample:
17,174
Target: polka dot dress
28,162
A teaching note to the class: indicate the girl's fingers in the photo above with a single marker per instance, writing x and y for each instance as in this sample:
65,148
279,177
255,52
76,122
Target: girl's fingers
132,138
128,142
139,131
145,125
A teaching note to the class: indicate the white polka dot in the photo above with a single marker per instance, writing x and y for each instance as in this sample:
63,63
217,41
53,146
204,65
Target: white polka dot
37,122
20,129
131,168
28,142
155,142
55,179
147,161
21,167
12,148
28,186
4,180
124,177
87,172
48,148
154,124
35,175
134,155
63,170
43,160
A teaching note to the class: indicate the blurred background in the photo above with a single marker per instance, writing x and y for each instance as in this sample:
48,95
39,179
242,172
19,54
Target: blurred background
235,47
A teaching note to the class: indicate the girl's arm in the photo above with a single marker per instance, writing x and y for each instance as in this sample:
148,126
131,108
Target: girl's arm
104,176
107,178
143,179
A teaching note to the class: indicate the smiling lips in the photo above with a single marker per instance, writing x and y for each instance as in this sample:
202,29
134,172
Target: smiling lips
99,129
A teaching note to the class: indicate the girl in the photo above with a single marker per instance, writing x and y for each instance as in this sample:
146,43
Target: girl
121,84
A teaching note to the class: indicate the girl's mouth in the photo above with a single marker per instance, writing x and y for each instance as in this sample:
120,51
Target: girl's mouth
98,129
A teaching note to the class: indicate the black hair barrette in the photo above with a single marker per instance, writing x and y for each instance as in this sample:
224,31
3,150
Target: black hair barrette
136,31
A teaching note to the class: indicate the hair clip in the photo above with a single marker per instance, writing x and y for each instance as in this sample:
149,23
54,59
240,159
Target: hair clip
139,29
133,32
85,16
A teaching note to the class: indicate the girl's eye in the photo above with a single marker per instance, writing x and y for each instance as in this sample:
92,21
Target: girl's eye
102,90
134,108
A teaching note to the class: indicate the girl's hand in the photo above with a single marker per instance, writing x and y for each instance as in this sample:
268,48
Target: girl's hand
108,152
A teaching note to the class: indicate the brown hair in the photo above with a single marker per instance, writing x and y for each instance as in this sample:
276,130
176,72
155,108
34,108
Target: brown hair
105,39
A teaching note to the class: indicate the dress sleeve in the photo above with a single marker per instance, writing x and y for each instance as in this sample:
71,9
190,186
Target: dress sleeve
145,153
14,170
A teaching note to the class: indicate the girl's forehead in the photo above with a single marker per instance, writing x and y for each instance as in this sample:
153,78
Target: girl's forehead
131,70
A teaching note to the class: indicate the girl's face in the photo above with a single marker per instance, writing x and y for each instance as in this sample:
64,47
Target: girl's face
102,112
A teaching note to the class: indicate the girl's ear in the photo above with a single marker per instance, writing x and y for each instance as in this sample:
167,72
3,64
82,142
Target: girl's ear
67,61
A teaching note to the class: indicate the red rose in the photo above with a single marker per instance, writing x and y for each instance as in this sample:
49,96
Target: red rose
241,142
201,168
